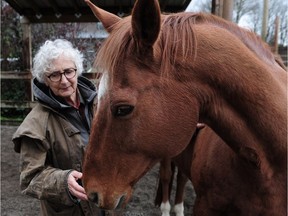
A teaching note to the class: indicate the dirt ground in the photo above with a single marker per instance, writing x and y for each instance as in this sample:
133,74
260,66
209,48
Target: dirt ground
15,204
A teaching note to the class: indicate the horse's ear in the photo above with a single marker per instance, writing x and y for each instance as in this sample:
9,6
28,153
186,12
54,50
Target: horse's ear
106,18
146,20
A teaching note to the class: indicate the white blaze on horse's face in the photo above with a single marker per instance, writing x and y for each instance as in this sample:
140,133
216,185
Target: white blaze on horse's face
103,85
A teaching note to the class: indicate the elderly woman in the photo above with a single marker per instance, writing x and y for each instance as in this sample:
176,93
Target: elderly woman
52,138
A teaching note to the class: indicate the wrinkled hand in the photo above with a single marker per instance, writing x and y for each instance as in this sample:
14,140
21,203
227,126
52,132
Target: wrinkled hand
73,186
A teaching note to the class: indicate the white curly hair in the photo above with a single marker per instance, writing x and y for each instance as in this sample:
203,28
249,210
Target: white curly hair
50,51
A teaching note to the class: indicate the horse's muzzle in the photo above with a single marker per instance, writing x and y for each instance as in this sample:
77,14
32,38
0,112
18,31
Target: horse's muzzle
110,204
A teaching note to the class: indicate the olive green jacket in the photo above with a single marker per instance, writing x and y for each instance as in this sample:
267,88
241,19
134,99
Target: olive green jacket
50,147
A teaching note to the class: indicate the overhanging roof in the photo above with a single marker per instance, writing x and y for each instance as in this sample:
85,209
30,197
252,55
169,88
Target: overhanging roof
52,11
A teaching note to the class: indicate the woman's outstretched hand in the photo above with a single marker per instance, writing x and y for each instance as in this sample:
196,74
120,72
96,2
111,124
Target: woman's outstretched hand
73,186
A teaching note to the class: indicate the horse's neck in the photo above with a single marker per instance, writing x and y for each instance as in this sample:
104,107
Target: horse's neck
247,111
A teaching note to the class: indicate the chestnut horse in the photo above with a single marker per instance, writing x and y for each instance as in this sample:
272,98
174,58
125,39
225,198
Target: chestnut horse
164,73
166,179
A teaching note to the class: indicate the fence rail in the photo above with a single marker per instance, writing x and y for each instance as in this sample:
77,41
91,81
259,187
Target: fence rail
14,104
16,75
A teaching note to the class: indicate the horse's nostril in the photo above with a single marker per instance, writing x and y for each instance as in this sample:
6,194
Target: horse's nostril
93,197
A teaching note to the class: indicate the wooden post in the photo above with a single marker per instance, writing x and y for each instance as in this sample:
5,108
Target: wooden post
276,34
264,19
27,51
27,47
228,10
213,8
217,6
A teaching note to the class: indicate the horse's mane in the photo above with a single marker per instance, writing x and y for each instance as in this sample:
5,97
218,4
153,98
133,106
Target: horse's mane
249,38
179,27
176,30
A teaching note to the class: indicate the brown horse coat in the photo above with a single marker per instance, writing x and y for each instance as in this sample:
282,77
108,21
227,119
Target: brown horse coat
162,75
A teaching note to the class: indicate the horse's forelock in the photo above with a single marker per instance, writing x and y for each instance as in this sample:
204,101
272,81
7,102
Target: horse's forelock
114,48
119,48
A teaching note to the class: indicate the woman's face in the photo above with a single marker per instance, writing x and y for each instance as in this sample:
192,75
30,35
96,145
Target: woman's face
65,88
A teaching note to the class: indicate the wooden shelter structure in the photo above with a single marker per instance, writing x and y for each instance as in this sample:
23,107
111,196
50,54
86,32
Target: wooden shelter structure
78,11
63,11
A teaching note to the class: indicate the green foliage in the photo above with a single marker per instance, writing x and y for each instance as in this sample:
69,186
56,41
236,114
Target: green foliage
15,90
15,114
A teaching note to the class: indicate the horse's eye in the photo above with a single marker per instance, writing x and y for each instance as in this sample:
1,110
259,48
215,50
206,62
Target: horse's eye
123,110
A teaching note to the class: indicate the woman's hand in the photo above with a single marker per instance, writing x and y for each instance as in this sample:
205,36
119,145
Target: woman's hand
74,188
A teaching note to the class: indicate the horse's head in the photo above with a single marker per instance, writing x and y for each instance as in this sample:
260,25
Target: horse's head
141,116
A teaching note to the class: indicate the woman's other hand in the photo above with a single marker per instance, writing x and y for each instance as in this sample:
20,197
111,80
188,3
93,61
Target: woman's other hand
74,188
